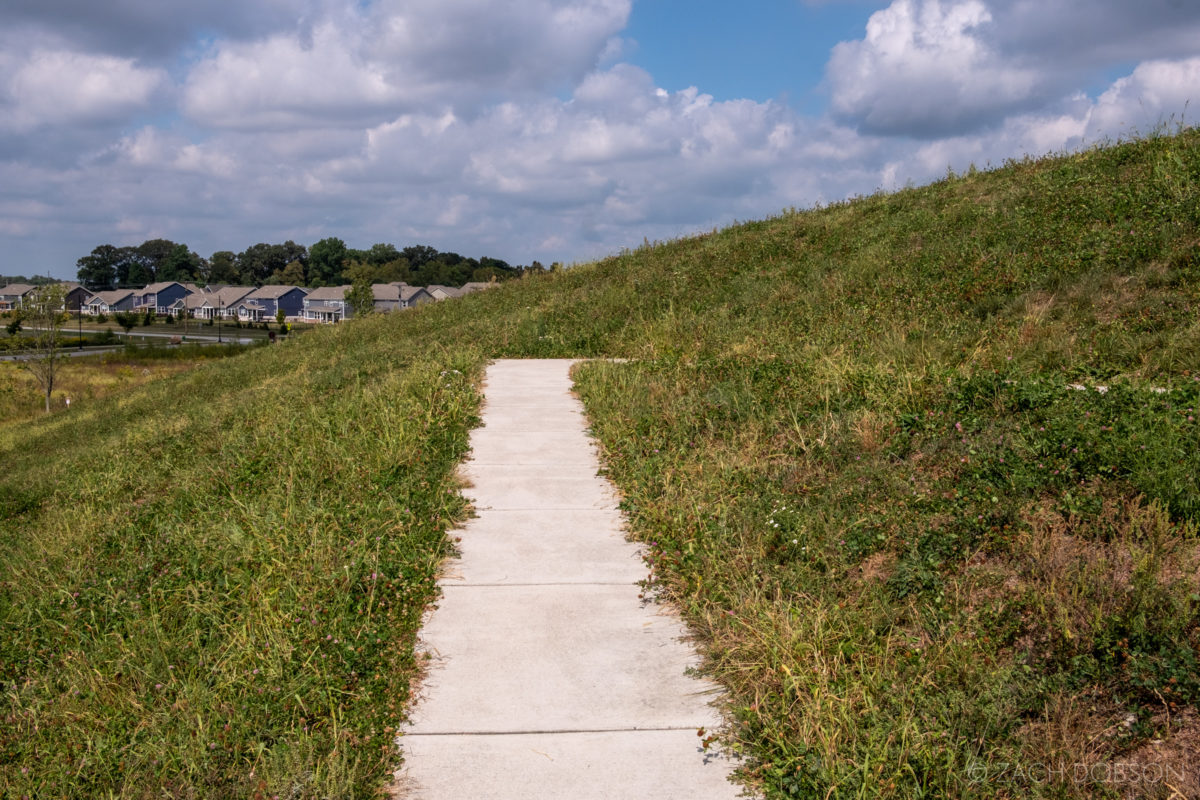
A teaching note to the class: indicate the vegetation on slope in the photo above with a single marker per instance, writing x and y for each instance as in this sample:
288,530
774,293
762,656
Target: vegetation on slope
209,587
922,563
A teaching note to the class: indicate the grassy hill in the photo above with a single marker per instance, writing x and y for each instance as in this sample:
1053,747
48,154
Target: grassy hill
920,468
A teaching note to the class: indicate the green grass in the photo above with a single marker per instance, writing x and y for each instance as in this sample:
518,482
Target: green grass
919,561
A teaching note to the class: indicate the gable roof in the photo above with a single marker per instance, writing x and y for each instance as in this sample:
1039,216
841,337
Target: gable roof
155,288
111,298
446,291
272,292
16,290
409,292
385,292
329,293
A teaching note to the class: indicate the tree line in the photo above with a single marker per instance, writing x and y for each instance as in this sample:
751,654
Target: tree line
329,262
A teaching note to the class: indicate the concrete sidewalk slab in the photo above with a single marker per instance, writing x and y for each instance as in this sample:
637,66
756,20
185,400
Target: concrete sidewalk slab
526,547
515,419
511,486
536,447
549,677
642,765
557,658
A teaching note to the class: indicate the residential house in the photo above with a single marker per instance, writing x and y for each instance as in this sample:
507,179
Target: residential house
158,297
411,296
326,304
387,296
75,297
263,303
109,302
478,286
211,303
438,292
13,295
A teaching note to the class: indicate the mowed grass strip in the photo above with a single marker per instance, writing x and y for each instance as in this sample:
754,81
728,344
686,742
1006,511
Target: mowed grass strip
210,586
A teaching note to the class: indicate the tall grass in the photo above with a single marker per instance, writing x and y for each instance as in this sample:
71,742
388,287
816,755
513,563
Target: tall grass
211,585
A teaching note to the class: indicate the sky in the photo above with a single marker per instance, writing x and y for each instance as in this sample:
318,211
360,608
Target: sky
550,130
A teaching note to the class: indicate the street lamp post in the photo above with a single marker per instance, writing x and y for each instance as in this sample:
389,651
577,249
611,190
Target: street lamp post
79,314
219,315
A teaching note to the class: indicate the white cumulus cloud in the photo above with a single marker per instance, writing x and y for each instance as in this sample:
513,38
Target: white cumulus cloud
926,68
55,87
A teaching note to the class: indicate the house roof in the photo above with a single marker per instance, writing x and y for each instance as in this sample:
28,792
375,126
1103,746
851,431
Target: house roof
385,292
16,290
228,295
329,293
446,291
273,292
158,287
113,297
409,292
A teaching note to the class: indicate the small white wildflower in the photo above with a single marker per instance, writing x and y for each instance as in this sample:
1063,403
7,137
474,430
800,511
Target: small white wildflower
795,541
1102,389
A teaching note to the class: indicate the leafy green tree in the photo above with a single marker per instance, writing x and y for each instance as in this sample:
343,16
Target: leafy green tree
280,316
419,254
43,311
14,325
361,298
365,271
291,275
98,271
326,259
382,253
127,320
257,262
180,264
222,267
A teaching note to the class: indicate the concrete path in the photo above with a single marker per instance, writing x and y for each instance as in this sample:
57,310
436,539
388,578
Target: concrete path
550,678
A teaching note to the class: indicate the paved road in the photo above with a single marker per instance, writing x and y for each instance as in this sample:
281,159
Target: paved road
72,353
550,678
190,337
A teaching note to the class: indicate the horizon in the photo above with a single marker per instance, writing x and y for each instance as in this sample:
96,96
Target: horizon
548,130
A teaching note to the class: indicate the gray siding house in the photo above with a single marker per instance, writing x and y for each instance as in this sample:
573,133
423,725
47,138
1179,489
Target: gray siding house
109,302
13,295
326,304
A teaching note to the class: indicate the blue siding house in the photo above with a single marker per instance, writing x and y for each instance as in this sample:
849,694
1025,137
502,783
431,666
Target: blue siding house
264,302
159,296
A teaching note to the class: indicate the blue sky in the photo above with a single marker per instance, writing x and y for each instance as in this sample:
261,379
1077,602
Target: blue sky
555,130
762,50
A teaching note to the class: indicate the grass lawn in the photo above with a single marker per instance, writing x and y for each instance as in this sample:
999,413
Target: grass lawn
919,468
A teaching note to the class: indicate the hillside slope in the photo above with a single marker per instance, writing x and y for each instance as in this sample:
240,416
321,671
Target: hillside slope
920,468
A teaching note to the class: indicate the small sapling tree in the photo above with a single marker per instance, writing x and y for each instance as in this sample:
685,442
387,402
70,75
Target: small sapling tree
361,298
44,316
126,320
